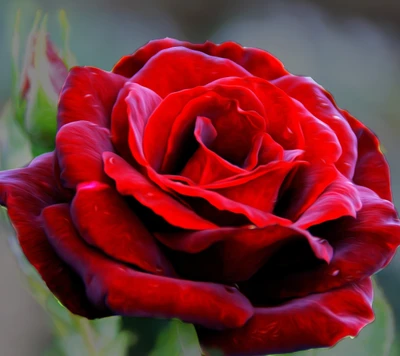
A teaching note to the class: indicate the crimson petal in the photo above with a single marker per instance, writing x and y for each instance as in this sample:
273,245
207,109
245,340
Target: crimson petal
88,94
128,292
318,320
130,182
258,62
178,63
105,221
132,109
26,192
371,170
322,105
362,245
79,147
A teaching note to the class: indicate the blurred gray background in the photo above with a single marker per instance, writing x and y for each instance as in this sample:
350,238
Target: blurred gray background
351,47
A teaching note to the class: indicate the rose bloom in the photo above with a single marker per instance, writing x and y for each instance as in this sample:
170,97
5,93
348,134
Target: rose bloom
204,182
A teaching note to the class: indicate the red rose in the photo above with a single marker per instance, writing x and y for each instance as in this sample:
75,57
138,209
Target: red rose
206,183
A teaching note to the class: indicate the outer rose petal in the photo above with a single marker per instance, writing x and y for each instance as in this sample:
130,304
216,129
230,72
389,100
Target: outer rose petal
79,147
188,68
26,192
362,245
371,170
318,320
131,182
258,62
126,291
89,94
105,221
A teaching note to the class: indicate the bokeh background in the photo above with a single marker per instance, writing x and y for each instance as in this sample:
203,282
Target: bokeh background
351,47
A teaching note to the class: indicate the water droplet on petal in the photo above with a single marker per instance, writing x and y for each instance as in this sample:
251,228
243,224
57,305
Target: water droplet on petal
111,160
88,96
336,117
150,194
335,272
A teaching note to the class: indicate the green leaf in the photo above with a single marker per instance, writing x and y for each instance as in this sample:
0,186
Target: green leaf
177,339
15,148
375,339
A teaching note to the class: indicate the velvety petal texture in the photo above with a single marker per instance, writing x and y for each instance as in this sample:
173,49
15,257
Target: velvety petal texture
204,182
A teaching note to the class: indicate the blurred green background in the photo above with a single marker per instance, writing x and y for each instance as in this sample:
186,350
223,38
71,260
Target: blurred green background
352,48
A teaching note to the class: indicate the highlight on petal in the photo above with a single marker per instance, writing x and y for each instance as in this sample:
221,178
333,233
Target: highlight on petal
188,68
131,182
125,291
105,221
318,320
26,192
131,111
79,147
88,94
322,105
258,62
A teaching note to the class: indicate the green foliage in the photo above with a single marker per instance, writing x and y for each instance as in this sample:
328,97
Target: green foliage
177,339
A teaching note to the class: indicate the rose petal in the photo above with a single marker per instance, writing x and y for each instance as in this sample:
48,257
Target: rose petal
130,182
128,292
371,170
26,192
234,254
132,109
362,245
176,116
205,166
303,188
105,221
322,105
79,147
341,198
188,68
318,320
258,62
259,188
88,94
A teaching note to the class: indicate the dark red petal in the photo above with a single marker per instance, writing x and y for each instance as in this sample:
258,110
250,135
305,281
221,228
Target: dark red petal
131,293
133,107
188,69
258,62
371,170
322,105
235,254
362,245
197,196
105,221
89,94
26,192
130,182
79,147
341,198
303,188
318,320
205,166
259,188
